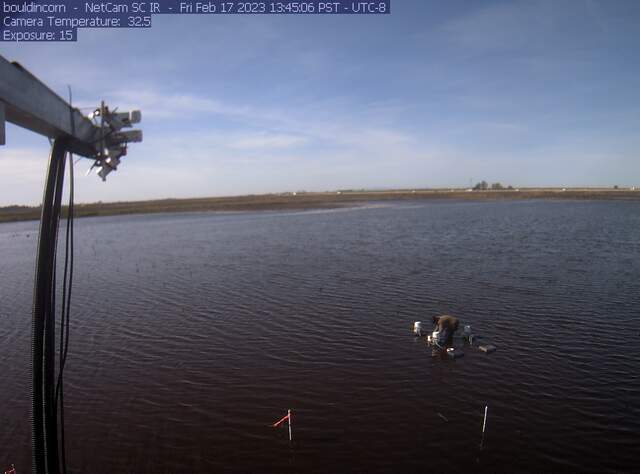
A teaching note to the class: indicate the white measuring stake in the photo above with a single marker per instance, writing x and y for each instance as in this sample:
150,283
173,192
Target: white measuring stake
484,423
289,414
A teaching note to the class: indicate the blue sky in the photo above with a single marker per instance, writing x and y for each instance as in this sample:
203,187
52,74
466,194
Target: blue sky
434,95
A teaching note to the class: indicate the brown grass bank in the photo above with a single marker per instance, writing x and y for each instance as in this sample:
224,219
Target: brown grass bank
326,200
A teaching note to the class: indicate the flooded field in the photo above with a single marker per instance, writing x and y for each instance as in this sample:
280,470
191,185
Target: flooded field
192,333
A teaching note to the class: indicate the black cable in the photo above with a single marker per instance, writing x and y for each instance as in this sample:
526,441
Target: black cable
41,301
65,315
47,391
66,337
66,309
44,429
37,336
51,411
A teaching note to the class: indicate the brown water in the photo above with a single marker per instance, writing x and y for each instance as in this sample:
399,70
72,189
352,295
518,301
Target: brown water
192,333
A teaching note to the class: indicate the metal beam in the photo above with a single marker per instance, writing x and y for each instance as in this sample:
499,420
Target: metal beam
30,104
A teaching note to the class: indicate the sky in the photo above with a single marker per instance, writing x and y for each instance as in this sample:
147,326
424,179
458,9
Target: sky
437,94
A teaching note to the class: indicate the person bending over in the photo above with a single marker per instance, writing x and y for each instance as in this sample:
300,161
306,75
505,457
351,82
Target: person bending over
447,325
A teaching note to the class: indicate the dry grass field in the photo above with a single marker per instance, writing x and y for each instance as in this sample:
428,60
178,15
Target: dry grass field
326,200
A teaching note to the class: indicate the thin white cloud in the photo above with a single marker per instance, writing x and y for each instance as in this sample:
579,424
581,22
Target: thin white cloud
501,26
159,105
264,141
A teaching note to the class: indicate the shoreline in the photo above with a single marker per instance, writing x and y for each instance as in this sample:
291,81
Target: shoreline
311,200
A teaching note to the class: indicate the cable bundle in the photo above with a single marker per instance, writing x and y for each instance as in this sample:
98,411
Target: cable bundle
47,393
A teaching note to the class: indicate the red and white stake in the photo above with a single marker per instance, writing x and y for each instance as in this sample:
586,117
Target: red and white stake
286,418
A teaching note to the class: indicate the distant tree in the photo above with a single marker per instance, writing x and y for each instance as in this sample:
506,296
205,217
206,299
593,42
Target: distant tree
481,186
497,186
615,187
510,188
